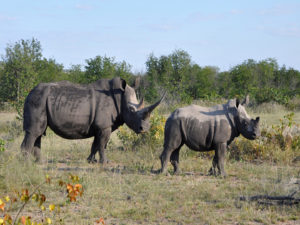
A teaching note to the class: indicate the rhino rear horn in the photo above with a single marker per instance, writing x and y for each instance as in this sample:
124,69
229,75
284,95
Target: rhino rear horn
147,111
141,105
246,101
137,82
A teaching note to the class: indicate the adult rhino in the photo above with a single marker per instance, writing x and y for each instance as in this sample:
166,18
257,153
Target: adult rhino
206,129
76,111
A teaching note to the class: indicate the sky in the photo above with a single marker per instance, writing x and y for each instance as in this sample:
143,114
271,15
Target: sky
214,33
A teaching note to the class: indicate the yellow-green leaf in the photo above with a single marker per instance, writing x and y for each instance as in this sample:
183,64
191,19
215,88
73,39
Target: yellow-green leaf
48,220
51,207
7,198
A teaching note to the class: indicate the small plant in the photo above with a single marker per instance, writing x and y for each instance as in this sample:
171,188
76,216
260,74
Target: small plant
47,214
154,137
2,145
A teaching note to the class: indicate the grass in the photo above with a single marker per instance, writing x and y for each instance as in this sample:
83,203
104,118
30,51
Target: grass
126,192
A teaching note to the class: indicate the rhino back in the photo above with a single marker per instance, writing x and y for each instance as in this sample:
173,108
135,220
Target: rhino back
202,127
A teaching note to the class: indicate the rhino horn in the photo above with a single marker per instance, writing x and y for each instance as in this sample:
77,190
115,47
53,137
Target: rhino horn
146,111
246,101
137,83
141,105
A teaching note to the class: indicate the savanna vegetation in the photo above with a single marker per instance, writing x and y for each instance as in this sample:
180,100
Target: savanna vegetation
65,189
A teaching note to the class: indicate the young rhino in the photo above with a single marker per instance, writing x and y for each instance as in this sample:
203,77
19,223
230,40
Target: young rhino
207,129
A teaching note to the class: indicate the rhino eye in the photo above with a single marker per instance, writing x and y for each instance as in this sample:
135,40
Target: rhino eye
131,109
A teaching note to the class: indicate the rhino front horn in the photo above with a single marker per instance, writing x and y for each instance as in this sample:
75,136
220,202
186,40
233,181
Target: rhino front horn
146,111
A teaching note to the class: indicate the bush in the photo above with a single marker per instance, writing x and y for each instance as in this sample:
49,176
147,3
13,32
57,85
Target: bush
276,144
152,139
2,145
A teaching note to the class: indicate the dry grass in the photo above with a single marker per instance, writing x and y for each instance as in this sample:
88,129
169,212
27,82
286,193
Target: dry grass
125,192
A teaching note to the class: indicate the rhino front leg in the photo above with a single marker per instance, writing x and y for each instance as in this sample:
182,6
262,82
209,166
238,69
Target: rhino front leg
221,153
99,144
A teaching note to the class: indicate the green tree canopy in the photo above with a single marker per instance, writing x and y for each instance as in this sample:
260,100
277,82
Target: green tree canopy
105,67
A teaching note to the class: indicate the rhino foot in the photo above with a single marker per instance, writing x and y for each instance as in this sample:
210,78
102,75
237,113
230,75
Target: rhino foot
212,172
177,172
104,161
91,160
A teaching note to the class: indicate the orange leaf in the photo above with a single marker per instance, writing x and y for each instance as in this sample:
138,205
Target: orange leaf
25,192
69,187
42,199
78,186
2,206
23,220
72,198
101,220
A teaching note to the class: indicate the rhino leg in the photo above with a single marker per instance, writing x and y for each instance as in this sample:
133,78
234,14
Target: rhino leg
170,154
212,170
99,144
175,160
27,144
92,158
165,158
37,149
218,161
221,152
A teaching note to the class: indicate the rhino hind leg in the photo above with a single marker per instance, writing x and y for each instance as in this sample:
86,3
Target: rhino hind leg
92,158
212,170
175,160
28,144
37,149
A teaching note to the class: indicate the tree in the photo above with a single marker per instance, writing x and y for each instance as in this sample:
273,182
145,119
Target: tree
170,73
23,68
20,69
106,67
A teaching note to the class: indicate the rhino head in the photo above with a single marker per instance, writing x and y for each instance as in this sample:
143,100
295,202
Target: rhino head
135,115
247,126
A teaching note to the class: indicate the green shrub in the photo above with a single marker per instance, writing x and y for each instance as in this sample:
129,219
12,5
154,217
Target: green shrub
274,145
152,139
2,145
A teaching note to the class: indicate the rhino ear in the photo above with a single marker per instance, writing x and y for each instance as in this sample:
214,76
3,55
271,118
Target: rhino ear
123,84
246,101
136,83
118,83
237,102
257,119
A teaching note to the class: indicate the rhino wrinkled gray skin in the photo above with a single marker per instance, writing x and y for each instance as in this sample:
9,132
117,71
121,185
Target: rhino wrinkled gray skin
76,111
206,129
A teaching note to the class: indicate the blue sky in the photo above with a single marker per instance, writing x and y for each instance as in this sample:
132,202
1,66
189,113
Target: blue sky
215,33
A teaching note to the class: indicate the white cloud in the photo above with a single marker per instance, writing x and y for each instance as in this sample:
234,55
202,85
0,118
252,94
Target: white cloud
279,10
287,30
83,7
163,27
7,18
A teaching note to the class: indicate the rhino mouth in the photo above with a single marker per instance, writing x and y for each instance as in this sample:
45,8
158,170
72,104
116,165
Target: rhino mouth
254,136
143,129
